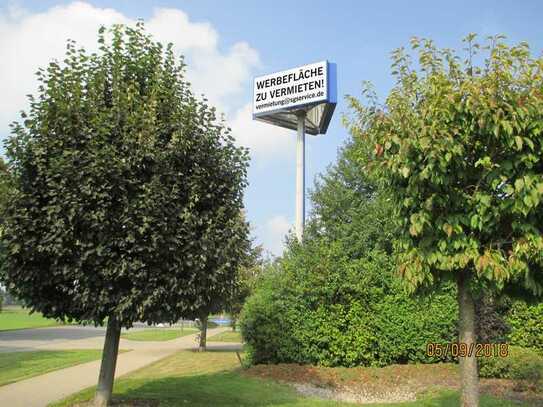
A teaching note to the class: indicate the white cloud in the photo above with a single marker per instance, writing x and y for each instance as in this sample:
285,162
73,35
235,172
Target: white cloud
217,75
31,40
274,233
264,140
168,24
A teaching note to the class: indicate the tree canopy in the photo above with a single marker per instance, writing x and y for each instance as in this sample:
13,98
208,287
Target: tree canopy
128,188
458,145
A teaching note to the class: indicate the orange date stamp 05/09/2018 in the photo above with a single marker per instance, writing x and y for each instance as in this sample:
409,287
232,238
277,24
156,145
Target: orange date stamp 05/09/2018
461,349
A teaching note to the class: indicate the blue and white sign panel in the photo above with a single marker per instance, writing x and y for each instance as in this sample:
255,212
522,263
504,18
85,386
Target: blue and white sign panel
294,88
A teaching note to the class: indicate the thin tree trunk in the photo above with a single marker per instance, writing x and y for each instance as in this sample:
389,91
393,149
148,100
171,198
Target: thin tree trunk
109,361
466,335
203,334
233,323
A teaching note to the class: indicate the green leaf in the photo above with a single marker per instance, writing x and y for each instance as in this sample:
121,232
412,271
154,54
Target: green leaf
518,141
474,221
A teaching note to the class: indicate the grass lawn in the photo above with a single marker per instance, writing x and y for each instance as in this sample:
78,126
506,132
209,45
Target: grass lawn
14,317
160,334
215,379
227,336
17,366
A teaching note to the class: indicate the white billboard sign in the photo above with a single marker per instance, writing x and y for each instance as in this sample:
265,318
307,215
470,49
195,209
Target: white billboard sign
301,99
293,88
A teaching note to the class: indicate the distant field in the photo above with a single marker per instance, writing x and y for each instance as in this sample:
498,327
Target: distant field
161,334
227,336
15,317
15,366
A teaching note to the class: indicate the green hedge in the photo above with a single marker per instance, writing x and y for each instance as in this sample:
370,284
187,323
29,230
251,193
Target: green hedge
324,308
523,365
526,323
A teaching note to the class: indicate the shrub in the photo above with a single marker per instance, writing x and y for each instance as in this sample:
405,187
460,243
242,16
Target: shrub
324,308
523,365
526,322
266,322
490,318
529,375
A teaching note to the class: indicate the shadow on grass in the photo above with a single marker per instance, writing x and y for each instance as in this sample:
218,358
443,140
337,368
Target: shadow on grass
223,389
219,389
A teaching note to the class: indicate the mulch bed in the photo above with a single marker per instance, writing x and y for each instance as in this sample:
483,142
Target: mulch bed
389,384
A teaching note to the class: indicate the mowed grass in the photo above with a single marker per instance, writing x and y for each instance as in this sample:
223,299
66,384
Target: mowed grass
17,366
14,317
215,379
227,336
159,334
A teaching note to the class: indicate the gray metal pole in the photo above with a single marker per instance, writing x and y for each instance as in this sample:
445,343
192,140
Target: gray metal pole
300,177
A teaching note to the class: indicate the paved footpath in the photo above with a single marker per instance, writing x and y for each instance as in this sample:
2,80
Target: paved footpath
41,390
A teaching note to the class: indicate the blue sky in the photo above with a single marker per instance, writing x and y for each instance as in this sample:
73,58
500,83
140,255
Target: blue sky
227,43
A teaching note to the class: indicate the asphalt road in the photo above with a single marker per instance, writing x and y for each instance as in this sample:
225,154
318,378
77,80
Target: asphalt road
39,338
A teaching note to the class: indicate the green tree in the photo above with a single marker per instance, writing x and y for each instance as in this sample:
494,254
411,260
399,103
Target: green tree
5,184
247,277
127,192
351,208
458,144
215,298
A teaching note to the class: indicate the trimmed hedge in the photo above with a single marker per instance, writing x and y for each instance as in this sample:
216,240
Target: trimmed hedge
526,323
324,308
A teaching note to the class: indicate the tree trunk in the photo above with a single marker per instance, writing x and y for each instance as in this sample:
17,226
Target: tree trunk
233,323
466,335
203,334
109,361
